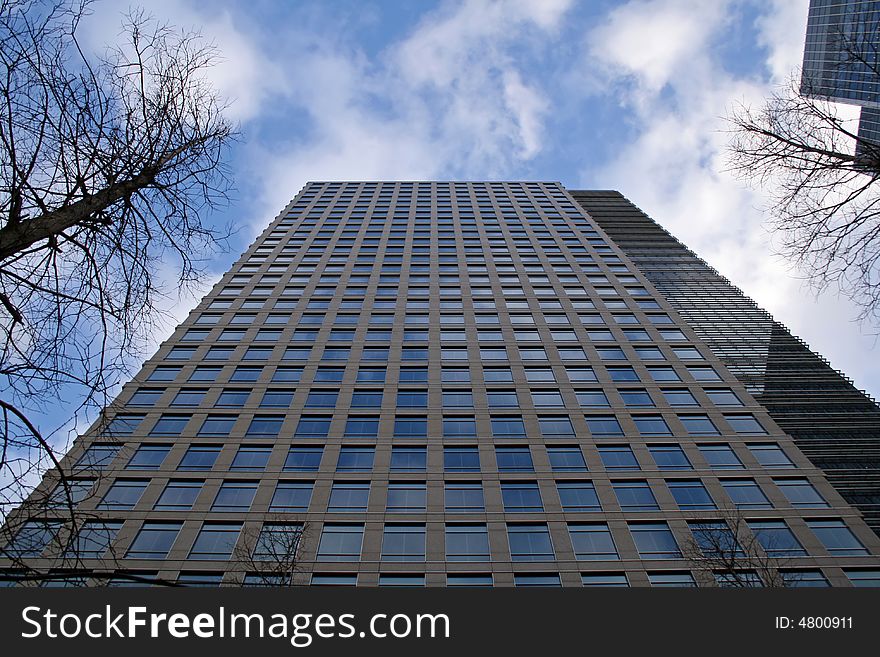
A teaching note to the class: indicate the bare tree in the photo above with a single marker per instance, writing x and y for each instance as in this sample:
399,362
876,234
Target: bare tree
109,165
734,554
271,554
821,174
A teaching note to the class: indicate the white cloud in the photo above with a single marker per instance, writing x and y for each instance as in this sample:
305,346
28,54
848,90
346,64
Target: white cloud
674,169
243,74
655,40
451,99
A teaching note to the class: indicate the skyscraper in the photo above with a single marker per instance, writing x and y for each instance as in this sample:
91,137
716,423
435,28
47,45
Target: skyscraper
447,384
842,58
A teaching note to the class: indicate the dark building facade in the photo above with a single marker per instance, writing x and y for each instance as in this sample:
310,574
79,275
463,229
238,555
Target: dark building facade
842,59
836,425
458,384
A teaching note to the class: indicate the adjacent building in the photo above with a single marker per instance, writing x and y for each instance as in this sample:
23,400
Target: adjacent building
842,58
467,384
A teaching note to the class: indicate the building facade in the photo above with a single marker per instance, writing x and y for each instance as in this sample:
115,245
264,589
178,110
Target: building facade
842,59
444,384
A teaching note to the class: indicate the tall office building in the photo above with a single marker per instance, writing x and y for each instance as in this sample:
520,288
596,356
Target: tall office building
842,58
457,384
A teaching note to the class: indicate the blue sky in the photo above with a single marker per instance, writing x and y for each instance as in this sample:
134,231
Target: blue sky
599,94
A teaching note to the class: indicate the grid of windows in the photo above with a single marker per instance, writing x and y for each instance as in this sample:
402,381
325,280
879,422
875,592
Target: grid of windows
450,351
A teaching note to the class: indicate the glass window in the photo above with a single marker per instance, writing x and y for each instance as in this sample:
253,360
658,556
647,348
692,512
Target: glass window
313,426
663,373
235,496
168,373
171,425
670,457
124,493
408,459
146,397
745,494
723,397
555,425
362,427
698,425
406,497
497,375
366,399
579,375
636,398
400,581
349,496
521,497
251,458
277,399
654,540
249,374
672,579
622,374
837,538
651,425
75,491
469,580
514,459
291,496
148,457
747,424
459,427
412,399
371,375
154,540
355,459
566,459
618,457
634,496
340,543
32,538
179,495
508,426
461,459
677,397
720,457
592,398
604,579
464,497
264,426
215,541
770,455
578,496
863,578
403,543
703,373
333,579
232,397
218,425
776,538
592,542
604,425
801,493
410,427
530,542
690,494
322,399
330,375
526,580
803,578
716,540
467,543
199,457
303,459
123,425
502,399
